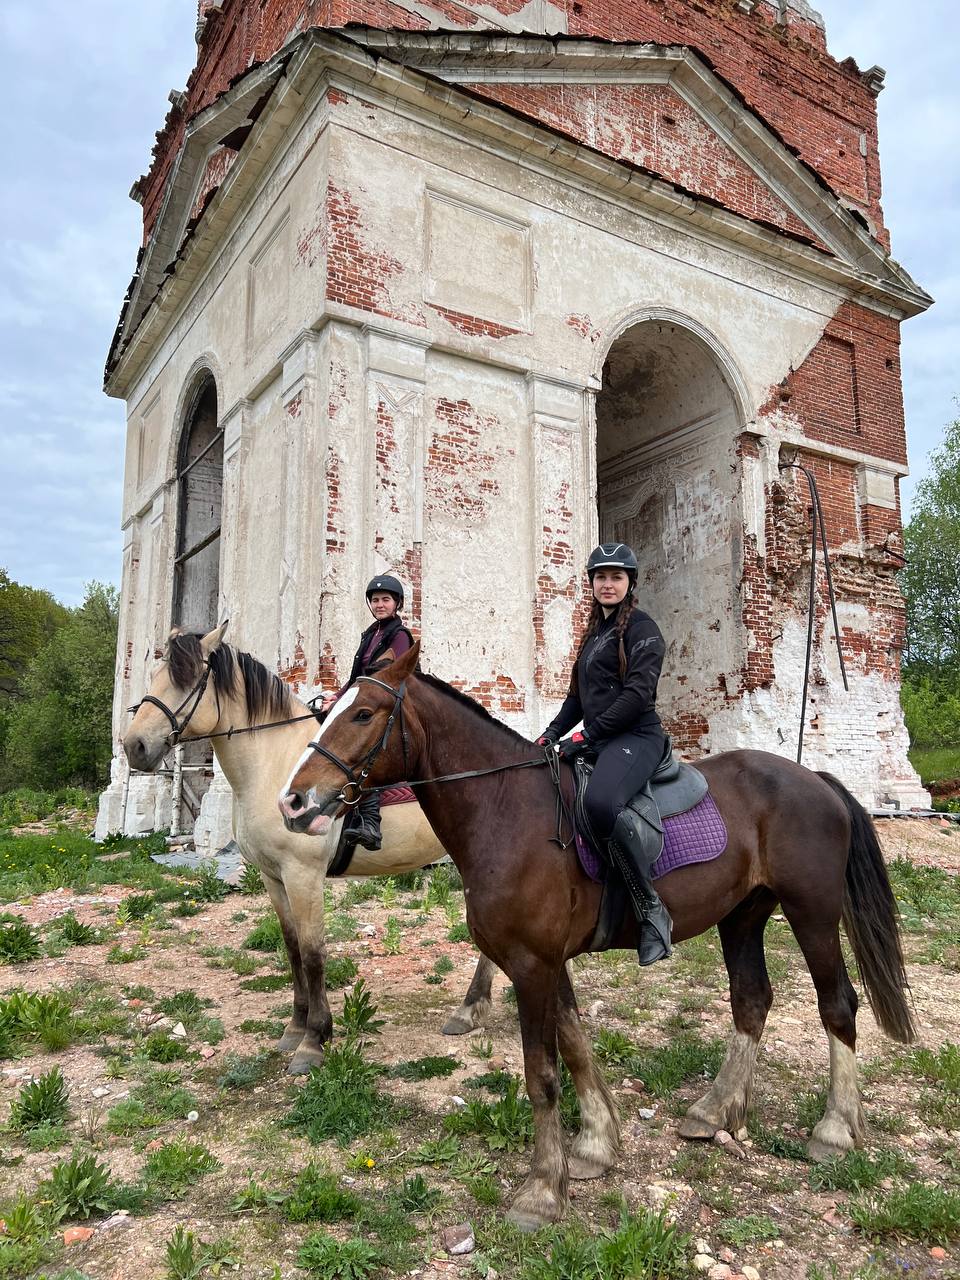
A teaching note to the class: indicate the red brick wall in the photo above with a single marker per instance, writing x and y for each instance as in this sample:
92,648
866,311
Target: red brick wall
820,107
848,390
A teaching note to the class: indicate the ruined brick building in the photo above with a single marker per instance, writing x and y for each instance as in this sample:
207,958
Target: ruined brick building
454,287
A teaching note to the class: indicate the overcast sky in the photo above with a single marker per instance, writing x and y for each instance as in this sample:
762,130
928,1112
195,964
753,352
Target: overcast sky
83,92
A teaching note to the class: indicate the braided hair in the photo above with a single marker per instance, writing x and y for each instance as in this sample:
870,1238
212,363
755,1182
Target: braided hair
624,610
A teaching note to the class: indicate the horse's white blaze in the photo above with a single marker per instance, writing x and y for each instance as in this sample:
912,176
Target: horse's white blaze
341,705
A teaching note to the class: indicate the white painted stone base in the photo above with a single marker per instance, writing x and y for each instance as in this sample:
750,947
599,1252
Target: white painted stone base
214,825
135,810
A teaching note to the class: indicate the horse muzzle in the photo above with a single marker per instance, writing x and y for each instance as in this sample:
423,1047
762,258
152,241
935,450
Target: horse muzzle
303,813
143,754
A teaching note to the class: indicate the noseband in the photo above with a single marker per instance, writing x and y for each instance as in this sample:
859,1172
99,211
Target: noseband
355,780
178,728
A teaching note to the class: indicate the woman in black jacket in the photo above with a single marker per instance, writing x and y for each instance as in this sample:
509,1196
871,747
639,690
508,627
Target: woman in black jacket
384,640
613,690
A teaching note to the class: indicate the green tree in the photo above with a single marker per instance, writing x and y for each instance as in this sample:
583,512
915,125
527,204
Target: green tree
931,578
28,618
60,726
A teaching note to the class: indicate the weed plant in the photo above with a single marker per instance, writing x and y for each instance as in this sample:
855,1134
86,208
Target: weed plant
244,1072
318,1197
207,886
261,1027
45,1101
256,1199
340,1099
188,1258
438,1151
859,1171
80,1187
19,941
175,1166
77,934
35,864
266,982
326,1258
251,881
505,1125
266,935
359,1015
160,1047
751,1229
414,1196
392,941
339,972
458,933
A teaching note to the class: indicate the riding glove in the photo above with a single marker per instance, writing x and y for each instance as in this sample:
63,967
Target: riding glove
575,744
549,738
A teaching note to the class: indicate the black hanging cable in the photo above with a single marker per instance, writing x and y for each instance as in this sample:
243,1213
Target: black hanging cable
817,523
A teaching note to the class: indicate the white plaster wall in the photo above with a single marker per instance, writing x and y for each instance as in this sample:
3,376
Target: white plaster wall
299,383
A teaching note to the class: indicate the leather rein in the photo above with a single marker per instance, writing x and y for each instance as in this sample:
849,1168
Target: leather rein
356,780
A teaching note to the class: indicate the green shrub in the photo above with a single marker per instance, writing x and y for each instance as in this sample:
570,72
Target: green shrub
24,804
251,881
81,1186
45,1101
19,941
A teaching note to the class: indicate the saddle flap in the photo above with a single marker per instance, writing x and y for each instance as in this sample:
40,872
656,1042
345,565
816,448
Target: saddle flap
683,791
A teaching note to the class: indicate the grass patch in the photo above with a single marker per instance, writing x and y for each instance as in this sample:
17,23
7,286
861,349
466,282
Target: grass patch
920,1211
340,1099
267,982
318,1197
188,1258
774,1143
244,1072
177,1165
505,1125
689,1057
432,1067
859,1171
935,763
326,1258
33,864
158,1098
261,1027
340,971
754,1228
34,1017
266,935
924,893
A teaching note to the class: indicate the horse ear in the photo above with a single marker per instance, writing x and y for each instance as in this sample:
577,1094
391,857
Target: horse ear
211,641
403,667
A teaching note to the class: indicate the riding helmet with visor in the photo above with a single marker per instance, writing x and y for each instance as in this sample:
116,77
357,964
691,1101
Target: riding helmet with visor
386,582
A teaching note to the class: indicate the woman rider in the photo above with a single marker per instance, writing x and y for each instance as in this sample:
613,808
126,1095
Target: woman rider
385,639
613,690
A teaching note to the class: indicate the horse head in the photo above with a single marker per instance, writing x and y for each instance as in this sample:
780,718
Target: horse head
181,703
365,741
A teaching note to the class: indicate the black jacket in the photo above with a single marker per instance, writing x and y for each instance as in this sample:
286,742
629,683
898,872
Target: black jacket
606,704
388,632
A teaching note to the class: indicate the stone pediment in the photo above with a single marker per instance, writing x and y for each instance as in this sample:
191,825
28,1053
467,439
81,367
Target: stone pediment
662,109
620,119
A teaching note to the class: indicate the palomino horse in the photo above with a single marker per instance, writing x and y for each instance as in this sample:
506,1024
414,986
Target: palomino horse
204,687
794,837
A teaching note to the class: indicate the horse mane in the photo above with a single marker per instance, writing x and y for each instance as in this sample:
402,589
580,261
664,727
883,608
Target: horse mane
264,692
451,691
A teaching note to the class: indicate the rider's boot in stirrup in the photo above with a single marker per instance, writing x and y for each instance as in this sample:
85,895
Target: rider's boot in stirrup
653,917
365,827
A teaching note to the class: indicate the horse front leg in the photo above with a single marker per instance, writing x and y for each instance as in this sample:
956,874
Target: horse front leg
597,1145
297,1026
543,1196
304,889
475,1009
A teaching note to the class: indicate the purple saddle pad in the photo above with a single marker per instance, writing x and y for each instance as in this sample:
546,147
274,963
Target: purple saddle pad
699,835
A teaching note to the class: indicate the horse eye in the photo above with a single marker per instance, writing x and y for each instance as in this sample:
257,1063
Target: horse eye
364,716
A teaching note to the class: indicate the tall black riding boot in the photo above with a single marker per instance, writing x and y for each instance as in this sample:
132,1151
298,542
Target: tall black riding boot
634,863
365,827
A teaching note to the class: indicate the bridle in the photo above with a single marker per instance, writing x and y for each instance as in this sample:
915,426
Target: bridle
354,779
178,728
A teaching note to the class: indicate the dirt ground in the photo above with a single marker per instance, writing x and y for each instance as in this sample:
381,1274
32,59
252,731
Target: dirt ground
781,1225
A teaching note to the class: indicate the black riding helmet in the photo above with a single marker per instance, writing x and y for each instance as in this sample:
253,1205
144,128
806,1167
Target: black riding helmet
613,555
387,583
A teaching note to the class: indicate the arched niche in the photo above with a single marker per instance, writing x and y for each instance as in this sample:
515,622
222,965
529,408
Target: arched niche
196,579
668,416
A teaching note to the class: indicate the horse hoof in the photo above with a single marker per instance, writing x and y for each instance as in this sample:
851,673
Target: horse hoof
583,1170
289,1041
303,1061
528,1222
819,1151
695,1128
455,1025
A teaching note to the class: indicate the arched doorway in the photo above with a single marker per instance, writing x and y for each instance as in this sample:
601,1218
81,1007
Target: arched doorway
668,484
196,573
196,579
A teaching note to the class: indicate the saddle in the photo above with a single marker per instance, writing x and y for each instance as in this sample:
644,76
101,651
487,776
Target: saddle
673,788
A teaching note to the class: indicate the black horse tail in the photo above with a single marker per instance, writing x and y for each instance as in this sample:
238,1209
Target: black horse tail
872,921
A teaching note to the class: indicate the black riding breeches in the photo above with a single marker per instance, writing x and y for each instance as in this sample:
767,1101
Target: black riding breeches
623,765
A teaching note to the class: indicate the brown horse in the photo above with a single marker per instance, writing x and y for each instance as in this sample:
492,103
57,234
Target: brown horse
795,837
